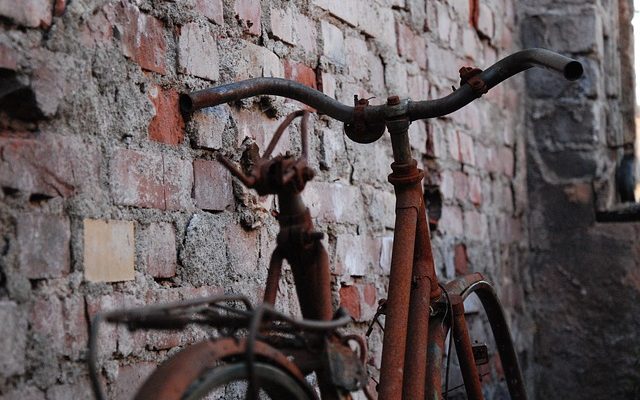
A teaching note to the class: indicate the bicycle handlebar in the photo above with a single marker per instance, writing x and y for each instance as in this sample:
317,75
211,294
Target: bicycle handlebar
498,72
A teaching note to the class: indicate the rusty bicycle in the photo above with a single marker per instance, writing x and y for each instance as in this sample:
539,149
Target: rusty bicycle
259,352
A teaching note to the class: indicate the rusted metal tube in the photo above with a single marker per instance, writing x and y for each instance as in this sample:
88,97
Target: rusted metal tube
464,350
190,102
395,331
498,72
273,277
422,292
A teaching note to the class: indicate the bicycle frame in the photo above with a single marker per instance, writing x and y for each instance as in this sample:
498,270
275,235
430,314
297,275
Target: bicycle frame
419,310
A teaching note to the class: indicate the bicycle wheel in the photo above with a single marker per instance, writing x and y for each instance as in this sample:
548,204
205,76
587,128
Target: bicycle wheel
229,381
215,369
499,336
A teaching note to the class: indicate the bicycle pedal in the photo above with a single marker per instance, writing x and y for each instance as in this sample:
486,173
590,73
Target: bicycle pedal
480,354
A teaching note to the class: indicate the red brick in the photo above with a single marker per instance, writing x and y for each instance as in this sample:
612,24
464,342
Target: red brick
350,300
167,126
32,13
460,259
142,38
212,9
300,73
282,24
46,320
369,292
159,249
150,180
212,185
198,52
48,164
44,245
249,13
130,378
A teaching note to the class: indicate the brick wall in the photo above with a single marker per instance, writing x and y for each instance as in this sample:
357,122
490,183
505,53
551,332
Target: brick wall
110,199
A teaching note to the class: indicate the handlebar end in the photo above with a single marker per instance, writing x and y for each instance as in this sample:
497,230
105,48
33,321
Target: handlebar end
573,70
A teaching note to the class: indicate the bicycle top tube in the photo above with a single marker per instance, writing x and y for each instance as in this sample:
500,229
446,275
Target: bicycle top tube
498,72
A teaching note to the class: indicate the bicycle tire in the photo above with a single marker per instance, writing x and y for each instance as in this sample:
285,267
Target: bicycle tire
214,360
499,333
274,383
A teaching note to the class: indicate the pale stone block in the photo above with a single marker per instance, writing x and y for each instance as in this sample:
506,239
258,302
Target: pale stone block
109,250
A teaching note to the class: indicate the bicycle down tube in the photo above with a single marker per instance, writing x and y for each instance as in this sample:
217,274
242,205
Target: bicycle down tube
413,286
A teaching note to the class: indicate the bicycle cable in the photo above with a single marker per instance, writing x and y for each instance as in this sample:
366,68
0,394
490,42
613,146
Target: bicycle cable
449,307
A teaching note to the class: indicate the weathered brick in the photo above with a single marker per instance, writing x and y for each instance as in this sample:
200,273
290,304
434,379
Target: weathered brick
249,13
282,24
49,164
109,250
485,21
209,125
507,162
350,300
46,320
564,32
98,28
256,60
107,339
31,13
212,9
356,254
159,249
142,38
150,180
260,128
333,202
386,250
466,148
451,221
328,84
76,330
44,245
475,225
305,33
212,185
475,190
137,179
130,378
167,125
178,183
333,43
13,333
344,10
461,185
198,52
377,22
